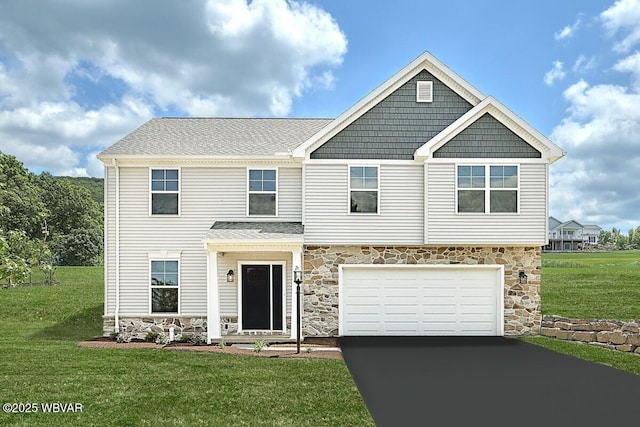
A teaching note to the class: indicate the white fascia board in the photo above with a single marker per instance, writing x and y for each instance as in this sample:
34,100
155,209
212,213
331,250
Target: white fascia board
196,160
426,61
487,244
396,162
505,116
276,245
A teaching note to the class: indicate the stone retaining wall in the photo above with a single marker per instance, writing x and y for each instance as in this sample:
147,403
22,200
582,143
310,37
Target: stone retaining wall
522,314
612,334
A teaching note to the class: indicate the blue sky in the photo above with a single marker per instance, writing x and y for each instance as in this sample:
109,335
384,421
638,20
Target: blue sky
76,76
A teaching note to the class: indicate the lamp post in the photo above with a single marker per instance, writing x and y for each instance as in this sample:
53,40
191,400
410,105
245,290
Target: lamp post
297,279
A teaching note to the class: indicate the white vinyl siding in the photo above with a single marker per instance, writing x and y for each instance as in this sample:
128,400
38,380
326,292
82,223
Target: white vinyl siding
444,226
110,241
400,219
207,195
290,194
228,291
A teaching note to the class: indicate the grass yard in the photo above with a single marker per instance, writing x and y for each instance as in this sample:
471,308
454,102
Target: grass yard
592,285
40,363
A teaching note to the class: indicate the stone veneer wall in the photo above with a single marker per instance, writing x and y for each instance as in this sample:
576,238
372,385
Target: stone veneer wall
612,334
139,327
522,314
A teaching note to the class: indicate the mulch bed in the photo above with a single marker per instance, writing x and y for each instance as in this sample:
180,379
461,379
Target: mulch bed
318,351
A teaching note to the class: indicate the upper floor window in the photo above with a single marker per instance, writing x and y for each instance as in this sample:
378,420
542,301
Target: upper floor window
165,190
165,281
364,189
497,194
263,190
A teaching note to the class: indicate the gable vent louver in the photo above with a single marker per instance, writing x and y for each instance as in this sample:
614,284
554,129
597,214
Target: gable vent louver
424,91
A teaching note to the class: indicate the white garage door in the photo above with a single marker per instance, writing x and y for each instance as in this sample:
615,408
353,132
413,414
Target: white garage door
421,300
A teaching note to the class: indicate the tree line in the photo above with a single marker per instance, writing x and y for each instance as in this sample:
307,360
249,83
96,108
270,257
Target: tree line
615,239
45,221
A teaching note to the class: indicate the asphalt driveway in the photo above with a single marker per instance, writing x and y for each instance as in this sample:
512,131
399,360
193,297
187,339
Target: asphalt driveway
486,381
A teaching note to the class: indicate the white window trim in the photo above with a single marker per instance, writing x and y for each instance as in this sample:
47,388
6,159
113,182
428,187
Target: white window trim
284,294
487,188
363,165
165,256
262,192
179,192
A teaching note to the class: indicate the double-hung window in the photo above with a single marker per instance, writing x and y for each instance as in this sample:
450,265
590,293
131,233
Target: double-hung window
262,192
165,191
165,282
503,193
495,192
364,189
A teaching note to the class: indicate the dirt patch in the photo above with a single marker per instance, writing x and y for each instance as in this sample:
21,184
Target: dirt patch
307,351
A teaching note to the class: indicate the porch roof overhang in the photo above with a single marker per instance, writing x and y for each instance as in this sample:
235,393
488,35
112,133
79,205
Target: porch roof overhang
236,236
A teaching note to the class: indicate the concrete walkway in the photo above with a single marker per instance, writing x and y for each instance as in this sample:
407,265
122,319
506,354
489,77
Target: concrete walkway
486,381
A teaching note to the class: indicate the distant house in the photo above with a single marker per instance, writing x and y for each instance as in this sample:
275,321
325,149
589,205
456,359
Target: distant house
571,235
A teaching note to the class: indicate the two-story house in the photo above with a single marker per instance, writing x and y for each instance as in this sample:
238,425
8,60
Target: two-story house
421,210
571,235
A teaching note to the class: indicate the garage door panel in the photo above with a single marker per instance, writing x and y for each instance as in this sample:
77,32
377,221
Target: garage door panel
477,289
383,300
400,292
366,329
400,309
476,310
364,310
362,296
434,292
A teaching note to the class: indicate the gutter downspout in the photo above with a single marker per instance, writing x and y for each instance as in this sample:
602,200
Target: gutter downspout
117,244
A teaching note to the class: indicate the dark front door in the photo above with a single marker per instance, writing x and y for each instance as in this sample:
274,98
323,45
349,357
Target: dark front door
262,297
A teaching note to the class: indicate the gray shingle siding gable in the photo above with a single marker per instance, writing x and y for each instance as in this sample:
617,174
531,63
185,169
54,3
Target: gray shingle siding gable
487,138
398,125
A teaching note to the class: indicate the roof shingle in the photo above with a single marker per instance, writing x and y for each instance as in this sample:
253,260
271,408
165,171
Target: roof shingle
228,230
216,136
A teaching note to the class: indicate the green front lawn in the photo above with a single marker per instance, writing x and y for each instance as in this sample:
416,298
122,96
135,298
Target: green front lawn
629,362
40,363
592,285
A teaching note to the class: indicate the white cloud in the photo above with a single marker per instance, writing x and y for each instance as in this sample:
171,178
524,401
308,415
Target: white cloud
568,31
583,64
624,17
202,58
631,64
47,135
598,180
556,73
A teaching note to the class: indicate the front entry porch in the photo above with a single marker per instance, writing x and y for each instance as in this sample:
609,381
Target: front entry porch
250,289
